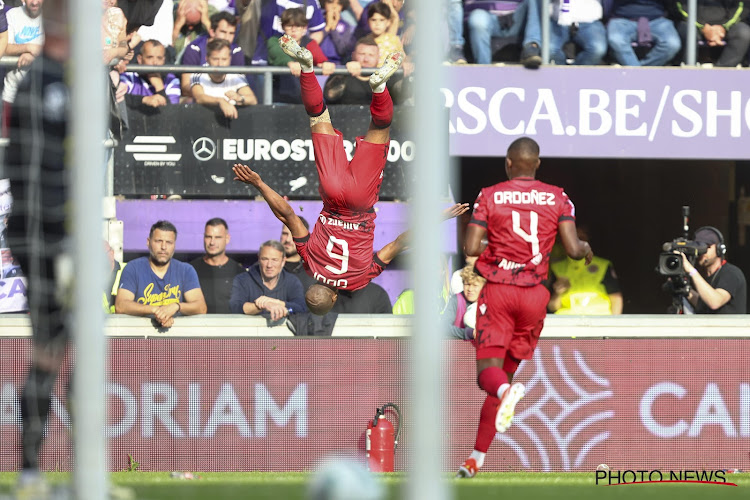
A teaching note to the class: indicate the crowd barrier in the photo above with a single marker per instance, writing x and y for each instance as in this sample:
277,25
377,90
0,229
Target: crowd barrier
226,393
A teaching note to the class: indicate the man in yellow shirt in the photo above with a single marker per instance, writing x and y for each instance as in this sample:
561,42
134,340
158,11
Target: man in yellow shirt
578,288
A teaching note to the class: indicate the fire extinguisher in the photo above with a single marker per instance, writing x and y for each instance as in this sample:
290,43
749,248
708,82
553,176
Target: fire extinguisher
380,442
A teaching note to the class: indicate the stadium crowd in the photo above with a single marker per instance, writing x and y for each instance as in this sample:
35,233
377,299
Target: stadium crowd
356,34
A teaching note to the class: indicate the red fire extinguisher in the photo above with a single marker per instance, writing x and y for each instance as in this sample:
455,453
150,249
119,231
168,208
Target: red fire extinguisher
380,442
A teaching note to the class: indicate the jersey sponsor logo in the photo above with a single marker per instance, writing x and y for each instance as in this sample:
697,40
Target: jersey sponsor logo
533,197
342,283
330,221
509,265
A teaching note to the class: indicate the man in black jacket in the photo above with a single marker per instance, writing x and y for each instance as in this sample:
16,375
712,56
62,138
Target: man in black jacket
266,288
720,26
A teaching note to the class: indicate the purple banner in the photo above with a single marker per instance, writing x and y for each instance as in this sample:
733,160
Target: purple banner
252,222
601,112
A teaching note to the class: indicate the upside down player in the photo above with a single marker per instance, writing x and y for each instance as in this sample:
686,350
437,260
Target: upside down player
339,252
519,219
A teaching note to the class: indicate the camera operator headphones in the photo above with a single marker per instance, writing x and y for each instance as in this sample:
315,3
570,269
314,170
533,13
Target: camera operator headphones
721,248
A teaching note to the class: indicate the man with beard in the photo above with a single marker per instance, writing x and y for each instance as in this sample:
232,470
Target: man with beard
159,285
216,270
718,286
294,262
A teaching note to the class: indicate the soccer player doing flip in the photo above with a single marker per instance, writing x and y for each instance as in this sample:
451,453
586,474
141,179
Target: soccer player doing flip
339,251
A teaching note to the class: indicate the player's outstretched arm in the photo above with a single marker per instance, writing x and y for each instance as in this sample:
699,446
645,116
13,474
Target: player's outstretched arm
575,248
395,247
279,206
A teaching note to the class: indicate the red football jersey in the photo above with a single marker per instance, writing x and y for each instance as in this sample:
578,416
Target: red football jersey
521,218
339,251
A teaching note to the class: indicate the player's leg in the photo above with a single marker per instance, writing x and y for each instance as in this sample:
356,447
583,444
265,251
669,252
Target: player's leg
381,107
49,339
493,329
312,94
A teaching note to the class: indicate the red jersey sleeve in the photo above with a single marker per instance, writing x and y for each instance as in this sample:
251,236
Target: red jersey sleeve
479,216
568,210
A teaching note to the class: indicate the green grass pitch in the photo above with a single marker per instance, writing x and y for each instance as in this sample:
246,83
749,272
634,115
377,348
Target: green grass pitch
486,486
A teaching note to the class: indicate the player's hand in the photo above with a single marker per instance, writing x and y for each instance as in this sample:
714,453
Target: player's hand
455,210
243,173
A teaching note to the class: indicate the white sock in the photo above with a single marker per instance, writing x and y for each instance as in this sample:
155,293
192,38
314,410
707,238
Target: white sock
380,88
479,457
501,390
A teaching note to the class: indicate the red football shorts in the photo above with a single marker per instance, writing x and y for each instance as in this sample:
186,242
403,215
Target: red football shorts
509,320
349,186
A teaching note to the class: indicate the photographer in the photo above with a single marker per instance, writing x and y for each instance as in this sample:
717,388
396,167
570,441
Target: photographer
718,287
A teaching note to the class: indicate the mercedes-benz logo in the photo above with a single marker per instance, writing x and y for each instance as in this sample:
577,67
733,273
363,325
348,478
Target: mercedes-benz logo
204,149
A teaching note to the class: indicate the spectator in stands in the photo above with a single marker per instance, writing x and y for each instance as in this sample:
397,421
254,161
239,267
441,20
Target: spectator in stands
372,299
294,262
641,22
402,22
114,37
266,288
456,309
3,32
113,282
248,12
457,281
578,288
456,32
287,87
294,24
578,22
719,26
151,89
357,8
161,30
383,25
224,26
227,6
225,90
25,39
338,39
354,87
270,24
159,285
190,22
216,270
524,21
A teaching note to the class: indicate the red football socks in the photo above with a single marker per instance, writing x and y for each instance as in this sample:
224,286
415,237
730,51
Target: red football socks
312,95
381,109
486,431
491,379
